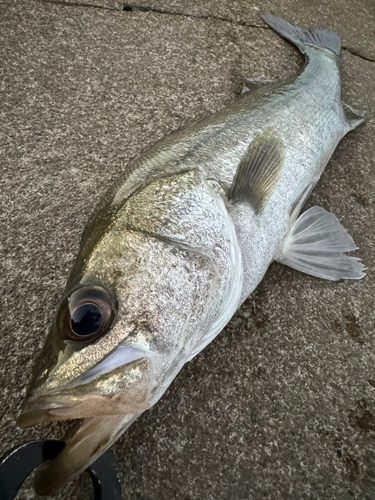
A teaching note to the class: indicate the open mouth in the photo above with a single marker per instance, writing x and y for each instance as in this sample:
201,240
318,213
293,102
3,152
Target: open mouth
92,437
103,406
89,437
114,386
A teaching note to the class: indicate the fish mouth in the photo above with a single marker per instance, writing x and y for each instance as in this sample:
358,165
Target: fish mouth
89,437
90,395
100,417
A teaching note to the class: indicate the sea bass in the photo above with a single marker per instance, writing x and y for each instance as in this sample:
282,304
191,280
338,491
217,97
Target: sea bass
181,240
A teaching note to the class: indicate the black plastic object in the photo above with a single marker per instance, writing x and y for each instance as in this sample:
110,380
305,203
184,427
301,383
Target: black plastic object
104,478
16,465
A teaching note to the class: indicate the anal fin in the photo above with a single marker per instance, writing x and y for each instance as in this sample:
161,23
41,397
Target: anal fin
316,246
259,170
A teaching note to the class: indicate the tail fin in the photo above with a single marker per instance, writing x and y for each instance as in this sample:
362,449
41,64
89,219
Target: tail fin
303,38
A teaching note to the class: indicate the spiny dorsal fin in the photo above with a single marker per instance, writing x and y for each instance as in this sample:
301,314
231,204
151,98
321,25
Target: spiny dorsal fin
259,170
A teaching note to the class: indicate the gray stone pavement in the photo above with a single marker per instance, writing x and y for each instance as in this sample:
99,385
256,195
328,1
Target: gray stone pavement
282,403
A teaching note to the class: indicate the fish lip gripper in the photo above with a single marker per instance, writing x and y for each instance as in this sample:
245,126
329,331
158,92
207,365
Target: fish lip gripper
18,463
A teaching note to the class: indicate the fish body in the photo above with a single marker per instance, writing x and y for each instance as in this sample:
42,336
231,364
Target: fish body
181,240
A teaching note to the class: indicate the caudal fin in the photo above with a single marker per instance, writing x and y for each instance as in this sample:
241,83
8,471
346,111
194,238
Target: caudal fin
303,39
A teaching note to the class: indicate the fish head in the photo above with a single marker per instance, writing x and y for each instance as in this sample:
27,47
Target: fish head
121,333
85,369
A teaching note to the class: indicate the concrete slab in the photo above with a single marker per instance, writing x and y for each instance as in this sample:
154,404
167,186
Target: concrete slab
281,404
354,20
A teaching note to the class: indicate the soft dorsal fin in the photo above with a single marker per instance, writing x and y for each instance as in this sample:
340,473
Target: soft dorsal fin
252,85
316,246
259,170
354,117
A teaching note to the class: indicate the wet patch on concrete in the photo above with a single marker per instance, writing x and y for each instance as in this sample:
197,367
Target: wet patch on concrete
348,324
361,418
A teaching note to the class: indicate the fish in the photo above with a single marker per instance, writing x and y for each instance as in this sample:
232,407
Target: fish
181,240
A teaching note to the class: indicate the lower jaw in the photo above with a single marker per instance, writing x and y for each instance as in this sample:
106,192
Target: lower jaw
92,438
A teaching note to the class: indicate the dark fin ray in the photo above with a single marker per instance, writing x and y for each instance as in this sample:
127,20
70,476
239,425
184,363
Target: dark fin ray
316,246
354,117
324,39
259,170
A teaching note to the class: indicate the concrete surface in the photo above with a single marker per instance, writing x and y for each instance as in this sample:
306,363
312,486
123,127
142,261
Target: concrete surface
353,19
282,403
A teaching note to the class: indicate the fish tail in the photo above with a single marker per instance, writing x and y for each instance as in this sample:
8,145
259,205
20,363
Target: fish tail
303,39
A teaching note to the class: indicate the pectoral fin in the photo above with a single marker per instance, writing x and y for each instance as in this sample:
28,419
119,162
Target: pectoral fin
316,246
259,170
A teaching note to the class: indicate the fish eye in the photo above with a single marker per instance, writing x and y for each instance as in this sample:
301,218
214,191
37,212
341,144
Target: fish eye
86,319
86,313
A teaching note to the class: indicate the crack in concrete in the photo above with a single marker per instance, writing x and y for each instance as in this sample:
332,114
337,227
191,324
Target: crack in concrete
357,54
140,8
78,4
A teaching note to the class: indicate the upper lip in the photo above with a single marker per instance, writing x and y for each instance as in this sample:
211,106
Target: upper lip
44,409
41,410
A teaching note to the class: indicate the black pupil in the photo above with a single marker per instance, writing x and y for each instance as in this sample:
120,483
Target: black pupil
86,319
